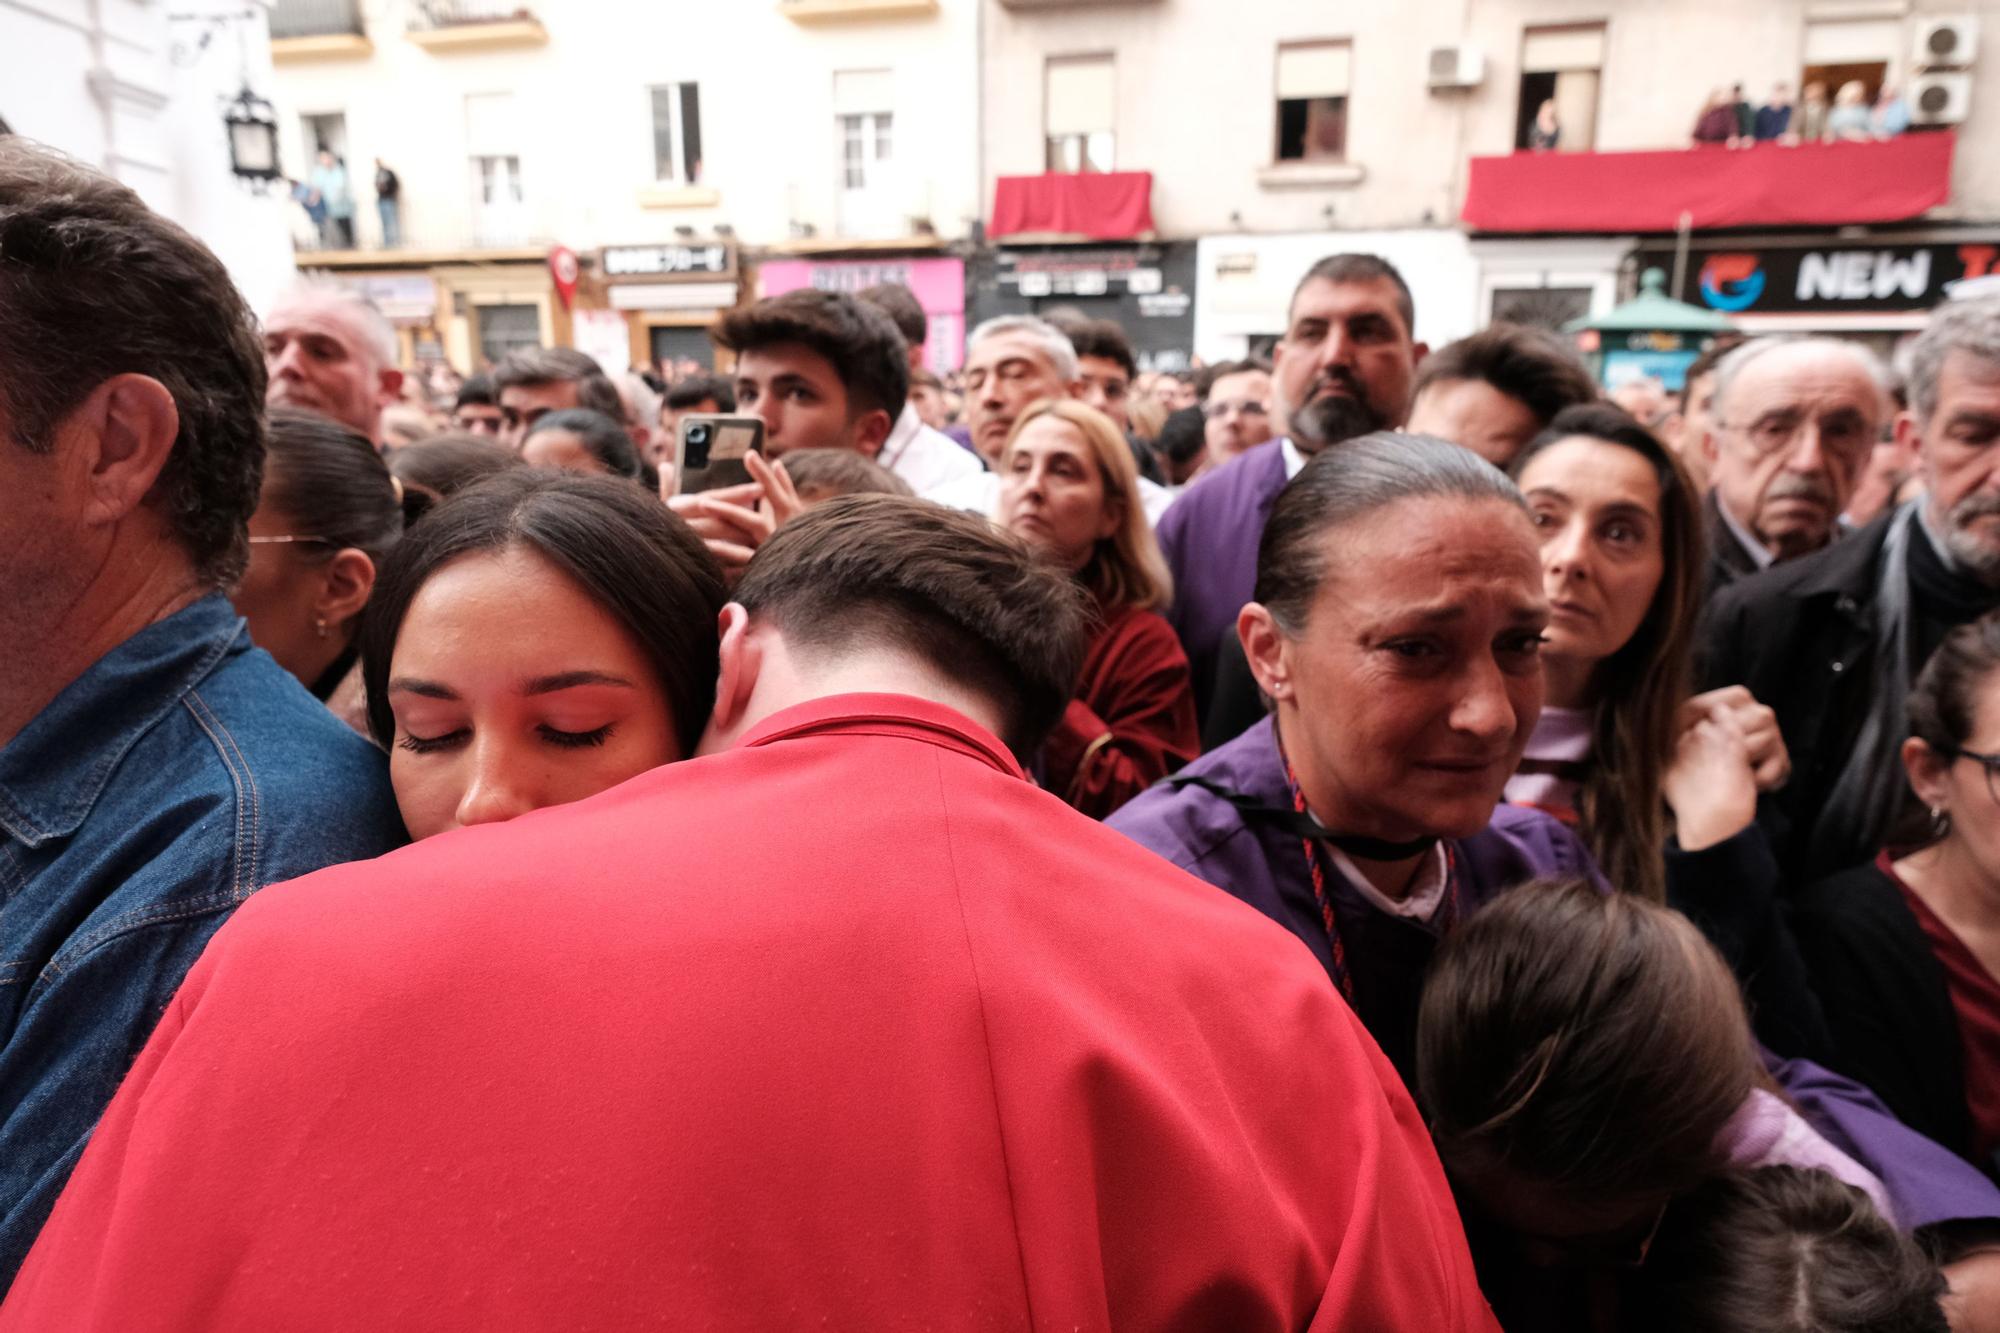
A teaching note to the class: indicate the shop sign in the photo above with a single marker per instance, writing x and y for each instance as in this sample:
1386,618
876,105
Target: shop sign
667,262
1081,273
1829,279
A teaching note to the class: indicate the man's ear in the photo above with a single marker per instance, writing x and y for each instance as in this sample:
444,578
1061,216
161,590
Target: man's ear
741,658
1267,650
350,577
127,425
390,381
870,432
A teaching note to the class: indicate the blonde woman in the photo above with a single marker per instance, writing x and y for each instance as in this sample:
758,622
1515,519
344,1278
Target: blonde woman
1068,487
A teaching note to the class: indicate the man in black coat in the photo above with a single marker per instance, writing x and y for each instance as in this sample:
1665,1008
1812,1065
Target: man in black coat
1833,640
1795,420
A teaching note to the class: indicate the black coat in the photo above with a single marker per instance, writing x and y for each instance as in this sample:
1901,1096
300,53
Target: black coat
1885,1001
1727,560
1800,636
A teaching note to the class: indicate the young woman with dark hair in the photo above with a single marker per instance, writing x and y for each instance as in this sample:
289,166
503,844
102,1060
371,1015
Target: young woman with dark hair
1904,952
537,639
1663,788
578,439
328,514
1783,1250
1584,1059
446,464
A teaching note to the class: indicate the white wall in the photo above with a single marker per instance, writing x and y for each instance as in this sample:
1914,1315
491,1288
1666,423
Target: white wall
582,99
98,81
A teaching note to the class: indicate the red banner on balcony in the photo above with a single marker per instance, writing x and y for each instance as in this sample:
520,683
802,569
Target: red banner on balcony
1100,205
1823,185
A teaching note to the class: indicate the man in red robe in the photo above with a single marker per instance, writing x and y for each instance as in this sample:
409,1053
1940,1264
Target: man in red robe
843,1024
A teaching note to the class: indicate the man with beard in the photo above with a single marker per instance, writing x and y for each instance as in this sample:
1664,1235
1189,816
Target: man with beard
1342,370
1832,640
1794,421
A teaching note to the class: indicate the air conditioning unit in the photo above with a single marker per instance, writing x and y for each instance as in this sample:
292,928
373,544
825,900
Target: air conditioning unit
1947,43
1940,99
1457,67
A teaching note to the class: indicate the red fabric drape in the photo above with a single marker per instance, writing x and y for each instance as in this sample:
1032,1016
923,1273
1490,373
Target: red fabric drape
1105,206
1769,185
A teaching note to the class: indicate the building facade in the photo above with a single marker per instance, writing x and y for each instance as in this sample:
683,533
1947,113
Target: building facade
139,93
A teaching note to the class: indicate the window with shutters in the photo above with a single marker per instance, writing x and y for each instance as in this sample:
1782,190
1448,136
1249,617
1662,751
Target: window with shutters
1560,71
1312,101
1078,114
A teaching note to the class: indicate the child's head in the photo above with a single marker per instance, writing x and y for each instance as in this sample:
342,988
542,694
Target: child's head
1783,1250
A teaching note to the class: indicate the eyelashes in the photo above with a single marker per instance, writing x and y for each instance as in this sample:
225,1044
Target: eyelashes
563,740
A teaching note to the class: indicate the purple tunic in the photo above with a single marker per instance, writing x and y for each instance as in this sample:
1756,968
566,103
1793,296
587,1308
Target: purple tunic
1209,536
1387,957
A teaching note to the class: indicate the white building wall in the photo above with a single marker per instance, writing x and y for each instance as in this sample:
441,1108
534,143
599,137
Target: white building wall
582,102
1195,90
97,79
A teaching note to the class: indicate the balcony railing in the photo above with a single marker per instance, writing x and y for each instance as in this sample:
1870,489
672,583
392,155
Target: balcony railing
835,11
315,18
471,25
1770,185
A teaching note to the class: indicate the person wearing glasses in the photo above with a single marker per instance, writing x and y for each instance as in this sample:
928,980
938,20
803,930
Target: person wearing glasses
1237,411
1833,640
1904,951
328,512
1795,420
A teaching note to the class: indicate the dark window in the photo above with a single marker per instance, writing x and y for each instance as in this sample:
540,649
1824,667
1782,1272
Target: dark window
1312,129
677,133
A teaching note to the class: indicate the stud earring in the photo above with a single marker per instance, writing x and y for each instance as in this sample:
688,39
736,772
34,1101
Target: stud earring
319,626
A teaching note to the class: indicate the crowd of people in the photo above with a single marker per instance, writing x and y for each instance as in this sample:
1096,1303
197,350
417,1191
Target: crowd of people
1377,838
1729,119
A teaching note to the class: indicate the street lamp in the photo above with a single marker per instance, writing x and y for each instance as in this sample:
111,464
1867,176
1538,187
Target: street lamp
253,138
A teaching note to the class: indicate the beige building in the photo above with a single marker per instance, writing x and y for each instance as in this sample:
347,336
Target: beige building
1278,129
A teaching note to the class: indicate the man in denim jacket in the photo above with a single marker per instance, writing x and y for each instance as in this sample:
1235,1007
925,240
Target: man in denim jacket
155,768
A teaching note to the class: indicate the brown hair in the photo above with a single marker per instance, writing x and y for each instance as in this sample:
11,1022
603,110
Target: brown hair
1641,687
949,588
1104,338
1532,366
857,340
822,474
1593,1043
1944,705
560,365
450,462
94,284
1782,1249
330,483
900,304
1127,568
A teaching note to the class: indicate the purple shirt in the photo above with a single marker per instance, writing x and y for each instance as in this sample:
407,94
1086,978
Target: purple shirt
1388,957
1209,536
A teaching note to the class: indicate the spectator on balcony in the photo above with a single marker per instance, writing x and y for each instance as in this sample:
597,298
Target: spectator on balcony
1774,119
389,204
1848,122
1746,117
329,177
1716,125
1892,113
1795,420
1812,114
534,381
306,197
1545,135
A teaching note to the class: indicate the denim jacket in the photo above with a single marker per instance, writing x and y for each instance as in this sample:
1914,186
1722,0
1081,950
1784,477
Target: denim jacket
181,773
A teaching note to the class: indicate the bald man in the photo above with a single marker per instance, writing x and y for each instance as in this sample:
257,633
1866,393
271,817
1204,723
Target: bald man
329,350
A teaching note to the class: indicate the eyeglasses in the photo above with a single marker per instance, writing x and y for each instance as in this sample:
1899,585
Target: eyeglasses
1245,408
1778,432
1989,762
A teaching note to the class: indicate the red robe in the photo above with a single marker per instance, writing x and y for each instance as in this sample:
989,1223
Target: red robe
1132,721
851,1028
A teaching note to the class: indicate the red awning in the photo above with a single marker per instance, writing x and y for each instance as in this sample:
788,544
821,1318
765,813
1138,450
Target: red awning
1769,185
1102,205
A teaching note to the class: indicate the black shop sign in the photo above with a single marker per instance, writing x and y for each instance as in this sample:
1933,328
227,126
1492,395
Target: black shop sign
1832,279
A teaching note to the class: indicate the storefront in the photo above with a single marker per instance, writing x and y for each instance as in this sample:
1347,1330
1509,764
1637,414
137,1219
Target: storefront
668,295
1875,289
937,282
1244,284
464,311
1147,288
